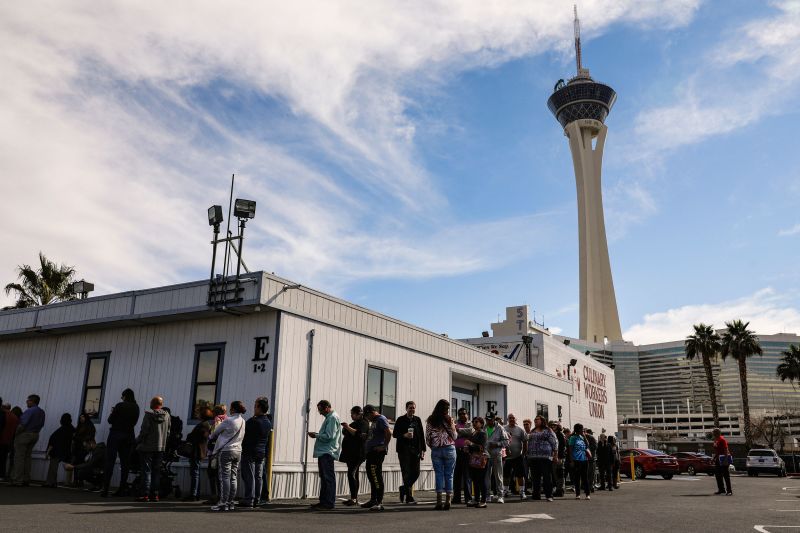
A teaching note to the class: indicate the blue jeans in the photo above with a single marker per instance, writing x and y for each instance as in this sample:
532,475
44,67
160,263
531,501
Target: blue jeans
151,473
228,476
327,480
252,469
444,464
194,473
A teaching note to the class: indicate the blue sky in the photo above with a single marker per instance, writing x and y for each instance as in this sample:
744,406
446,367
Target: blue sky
402,154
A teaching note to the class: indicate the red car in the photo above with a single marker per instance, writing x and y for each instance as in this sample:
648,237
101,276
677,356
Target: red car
694,463
648,462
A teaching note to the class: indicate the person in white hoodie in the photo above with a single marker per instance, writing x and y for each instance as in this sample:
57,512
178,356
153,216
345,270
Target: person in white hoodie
228,437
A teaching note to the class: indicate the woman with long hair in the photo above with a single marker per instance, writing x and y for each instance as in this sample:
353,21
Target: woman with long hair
476,447
440,435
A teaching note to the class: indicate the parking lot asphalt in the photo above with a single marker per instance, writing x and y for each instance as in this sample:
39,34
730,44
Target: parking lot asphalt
684,504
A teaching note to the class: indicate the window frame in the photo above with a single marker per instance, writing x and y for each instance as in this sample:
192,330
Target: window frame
90,356
207,347
383,370
546,408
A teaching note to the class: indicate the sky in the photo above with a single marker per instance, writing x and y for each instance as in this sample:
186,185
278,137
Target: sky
402,154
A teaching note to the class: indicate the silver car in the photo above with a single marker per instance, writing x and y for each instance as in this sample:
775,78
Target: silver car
765,460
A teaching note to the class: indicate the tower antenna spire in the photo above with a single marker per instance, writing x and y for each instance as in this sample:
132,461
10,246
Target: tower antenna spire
577,26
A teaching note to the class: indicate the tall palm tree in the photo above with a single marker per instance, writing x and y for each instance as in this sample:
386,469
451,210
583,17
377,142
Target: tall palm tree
790,367
704,343
740,343
48,284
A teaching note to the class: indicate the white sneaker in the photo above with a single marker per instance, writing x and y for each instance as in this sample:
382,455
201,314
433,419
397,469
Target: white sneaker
219,507
500,500
378,507
522,496
549,499
588,497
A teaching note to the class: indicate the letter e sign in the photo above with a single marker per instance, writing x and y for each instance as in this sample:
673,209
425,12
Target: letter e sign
261,354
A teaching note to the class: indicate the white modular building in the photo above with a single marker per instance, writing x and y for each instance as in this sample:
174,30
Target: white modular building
282,340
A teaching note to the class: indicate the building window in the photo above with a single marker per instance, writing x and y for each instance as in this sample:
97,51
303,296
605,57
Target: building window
382,390
543,410
207,377
94,384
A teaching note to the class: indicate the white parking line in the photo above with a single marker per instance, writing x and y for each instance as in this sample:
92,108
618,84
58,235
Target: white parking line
761,529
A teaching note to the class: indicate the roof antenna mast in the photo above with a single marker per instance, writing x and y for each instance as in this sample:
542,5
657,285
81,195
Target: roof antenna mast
577,25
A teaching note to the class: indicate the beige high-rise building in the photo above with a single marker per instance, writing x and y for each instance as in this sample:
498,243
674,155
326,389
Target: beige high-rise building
581,106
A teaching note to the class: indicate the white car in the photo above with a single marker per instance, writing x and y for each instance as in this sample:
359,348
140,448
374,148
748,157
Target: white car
765,460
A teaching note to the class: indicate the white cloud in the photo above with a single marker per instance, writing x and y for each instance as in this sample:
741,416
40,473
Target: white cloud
109,156
767,311
752,73
788,232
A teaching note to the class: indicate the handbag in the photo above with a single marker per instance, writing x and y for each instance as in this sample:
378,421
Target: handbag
186,449
478,459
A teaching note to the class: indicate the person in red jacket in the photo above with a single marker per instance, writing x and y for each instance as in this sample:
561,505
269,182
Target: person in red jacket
721,462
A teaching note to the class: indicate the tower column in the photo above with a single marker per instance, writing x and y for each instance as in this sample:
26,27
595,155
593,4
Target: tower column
598,304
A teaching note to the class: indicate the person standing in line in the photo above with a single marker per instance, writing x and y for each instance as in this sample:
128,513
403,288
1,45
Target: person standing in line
542,453
579,454
30,424
568,474
59,448
604,462
254,450
227,438
121,436
6,437
558,464
151,443
591,463
353,453
475,445
721,463
220,413
440,434
514,465
376,446
527,426
410,441
461,476
497,442
327,448
615,461
198,438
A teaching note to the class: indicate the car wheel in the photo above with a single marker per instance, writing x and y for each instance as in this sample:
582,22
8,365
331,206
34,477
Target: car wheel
640,473
666,476
690,470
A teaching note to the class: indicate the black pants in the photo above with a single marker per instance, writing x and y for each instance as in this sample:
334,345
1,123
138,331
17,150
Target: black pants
121,444
461,476
542,472
375,475
721,472
352,477
591,473
615,474
327,480
479,484
4,449
213,478
409,467
92,475
580,477
605,473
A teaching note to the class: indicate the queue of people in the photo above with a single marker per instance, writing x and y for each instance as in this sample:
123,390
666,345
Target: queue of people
475,462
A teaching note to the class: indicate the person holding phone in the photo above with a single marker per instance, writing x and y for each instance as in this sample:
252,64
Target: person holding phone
327,447
410,450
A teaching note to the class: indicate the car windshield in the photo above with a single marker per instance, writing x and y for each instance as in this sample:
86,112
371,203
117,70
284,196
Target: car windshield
761,453
653,452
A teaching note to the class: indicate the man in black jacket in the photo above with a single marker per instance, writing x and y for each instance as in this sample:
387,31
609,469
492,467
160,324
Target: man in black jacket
410,435
91,469
558,466
592,460
121,436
